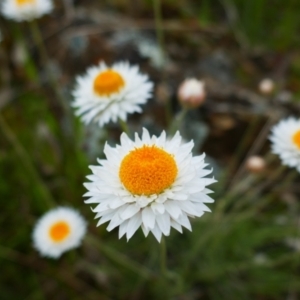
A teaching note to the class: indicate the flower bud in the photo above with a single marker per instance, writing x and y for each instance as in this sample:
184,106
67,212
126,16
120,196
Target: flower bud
266,86
255,164
191,93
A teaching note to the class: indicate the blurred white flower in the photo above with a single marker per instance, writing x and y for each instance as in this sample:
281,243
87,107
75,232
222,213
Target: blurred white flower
106,94
25,10
151,182
152,51
191,93
285,138
59,230
266,86
255,164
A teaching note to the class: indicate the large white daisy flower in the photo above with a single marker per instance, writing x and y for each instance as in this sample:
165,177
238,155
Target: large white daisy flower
150,182
25,10
106,94
285,138
59,230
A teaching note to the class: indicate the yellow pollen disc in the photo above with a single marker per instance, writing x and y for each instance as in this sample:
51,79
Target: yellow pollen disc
59,231
108,82
148,170
296,138
22,2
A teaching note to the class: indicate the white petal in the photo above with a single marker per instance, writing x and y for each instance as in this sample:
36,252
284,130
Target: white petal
158,208
184,221
146,136
145,230
148,217
123,228
157,233
173,209
175,225
115,221
133,224
163,222
130,211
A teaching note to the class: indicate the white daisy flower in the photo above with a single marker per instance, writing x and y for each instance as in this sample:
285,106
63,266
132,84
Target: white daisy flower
59,230
106,94
25,10
150,182
285,138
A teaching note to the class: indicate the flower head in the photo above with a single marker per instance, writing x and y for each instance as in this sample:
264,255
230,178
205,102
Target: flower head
59,230
255,164
25,10
106,94
191,93
152,183
266,86
285,138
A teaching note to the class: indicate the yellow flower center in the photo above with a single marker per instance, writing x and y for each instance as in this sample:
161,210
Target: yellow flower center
148,170
59,231
296,138
108,82
22,2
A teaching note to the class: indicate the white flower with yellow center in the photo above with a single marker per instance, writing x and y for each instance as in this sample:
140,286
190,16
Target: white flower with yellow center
106,94
59,230
285,138
151,182
25,10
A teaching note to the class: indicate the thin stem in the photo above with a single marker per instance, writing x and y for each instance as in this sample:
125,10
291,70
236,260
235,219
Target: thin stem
178,121
27,163
124,127
238,153
158,25
38,39
120,258
254,148
161,42
163,257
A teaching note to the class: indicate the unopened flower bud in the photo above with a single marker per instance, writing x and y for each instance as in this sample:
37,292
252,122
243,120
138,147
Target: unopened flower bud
255,164
266,86
191,93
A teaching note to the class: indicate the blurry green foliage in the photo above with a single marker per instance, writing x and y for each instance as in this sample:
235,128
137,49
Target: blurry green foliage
268,23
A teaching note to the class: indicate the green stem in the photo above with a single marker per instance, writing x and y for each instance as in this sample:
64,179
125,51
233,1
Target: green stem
27,163
242,147
161,42
158,25
120,258
176,124
38,39
163,257
124,127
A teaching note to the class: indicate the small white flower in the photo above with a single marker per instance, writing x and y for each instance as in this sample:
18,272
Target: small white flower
255,164
59,230
150,182
191,93
285,138
25,10
266,86
106,94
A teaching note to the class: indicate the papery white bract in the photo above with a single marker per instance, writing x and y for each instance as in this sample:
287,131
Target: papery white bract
106,94
25,10
59,230
152,183
285,138
191,93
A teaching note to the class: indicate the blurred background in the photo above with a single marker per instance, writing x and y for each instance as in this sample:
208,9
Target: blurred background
248,247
